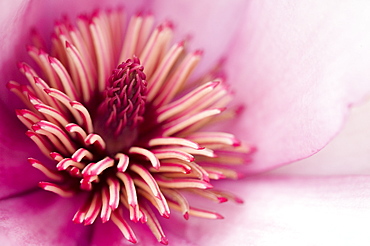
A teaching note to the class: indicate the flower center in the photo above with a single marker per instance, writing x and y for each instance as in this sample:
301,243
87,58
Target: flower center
121,111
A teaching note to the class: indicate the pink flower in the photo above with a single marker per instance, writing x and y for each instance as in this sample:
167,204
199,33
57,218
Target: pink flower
297,67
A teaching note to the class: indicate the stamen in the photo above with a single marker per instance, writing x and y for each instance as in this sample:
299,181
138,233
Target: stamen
114,189
43,145
94,169
154,226
56,189
183,183
46,171
186,121
197,212
106,210
123,162
146,153
148,178
94,209
123,226
173,141
81,154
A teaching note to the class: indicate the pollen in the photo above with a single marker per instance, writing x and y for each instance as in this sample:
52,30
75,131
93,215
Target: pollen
114,105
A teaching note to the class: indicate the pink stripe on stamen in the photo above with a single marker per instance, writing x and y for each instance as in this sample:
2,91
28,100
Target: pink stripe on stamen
106,210
214,138
25,121
67,162
52,174
197,212
130,189
81,154
210,194
79,216
52,138
145,31
155,226
114,190
185,103
56,156
94,209
29,115
182,183
55,115
173,141
146,153
131,37
155,82
95,139
159,204
30,75
180,199
56,189
83,25
75,56
42,85
201,173
75,172
65,100
173,153
227,173
186,121
155,48
123,162
43,145
64,77
85,115
59,133
86,58
229,196
178,79
123,226
200,152
100,51
94,169
172,167
80,133
18,90
147,177
42,58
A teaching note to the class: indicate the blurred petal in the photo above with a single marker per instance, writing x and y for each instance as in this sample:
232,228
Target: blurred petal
347,154
40,218
289,211
212,25
298,66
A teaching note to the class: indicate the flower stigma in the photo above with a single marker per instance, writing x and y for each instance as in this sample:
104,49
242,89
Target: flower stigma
114,106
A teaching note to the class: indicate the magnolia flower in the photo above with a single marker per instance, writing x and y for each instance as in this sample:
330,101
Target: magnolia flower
295,85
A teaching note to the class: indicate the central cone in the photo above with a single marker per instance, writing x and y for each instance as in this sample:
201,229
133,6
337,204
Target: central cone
121,110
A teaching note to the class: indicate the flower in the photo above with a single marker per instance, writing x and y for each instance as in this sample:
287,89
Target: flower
130,137
276,106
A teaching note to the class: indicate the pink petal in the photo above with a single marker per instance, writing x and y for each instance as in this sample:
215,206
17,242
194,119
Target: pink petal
288,211
16,174
347,154
298,66
40,218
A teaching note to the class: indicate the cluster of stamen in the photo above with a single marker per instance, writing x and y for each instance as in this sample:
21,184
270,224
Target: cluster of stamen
131,141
